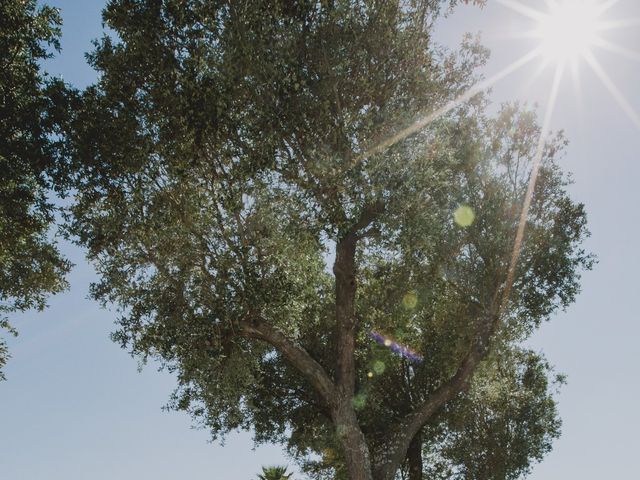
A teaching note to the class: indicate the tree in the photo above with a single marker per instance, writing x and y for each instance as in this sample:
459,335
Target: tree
274,473
232,151
32,107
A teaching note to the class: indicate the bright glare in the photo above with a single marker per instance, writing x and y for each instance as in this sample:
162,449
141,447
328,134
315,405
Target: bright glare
569,29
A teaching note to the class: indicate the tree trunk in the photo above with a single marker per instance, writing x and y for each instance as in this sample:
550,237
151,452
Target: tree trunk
414,455
354,445
345,273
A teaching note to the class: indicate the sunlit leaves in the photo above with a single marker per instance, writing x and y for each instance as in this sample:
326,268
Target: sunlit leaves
220,158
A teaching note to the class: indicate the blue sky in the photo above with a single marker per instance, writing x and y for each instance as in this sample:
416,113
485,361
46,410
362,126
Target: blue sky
75,405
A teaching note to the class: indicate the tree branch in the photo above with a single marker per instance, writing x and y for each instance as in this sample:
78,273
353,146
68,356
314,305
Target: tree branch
367,217
296,355
401,437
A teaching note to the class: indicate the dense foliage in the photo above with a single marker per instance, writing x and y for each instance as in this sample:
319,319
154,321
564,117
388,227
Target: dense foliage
229,154
31,110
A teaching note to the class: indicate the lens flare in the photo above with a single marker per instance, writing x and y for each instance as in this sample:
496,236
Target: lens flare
395,347
464,216
379,367
359,401
410,300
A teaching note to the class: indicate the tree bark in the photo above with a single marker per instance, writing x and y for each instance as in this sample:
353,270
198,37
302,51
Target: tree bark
344,271
354,444
414,456
356,450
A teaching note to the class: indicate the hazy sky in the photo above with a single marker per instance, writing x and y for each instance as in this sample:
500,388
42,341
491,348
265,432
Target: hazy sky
75,407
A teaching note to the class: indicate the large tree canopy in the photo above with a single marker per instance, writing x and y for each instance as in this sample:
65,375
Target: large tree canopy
31,108
233,196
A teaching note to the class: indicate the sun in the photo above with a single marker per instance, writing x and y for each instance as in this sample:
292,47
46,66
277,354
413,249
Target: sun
566,33
569,29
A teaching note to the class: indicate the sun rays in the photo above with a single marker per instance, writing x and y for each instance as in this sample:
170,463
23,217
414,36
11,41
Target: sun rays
533,179
615,92
567,34
571,31
456,102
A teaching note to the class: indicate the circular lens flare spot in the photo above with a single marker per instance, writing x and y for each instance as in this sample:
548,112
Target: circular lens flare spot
379,367
359,401
464,216
410,300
